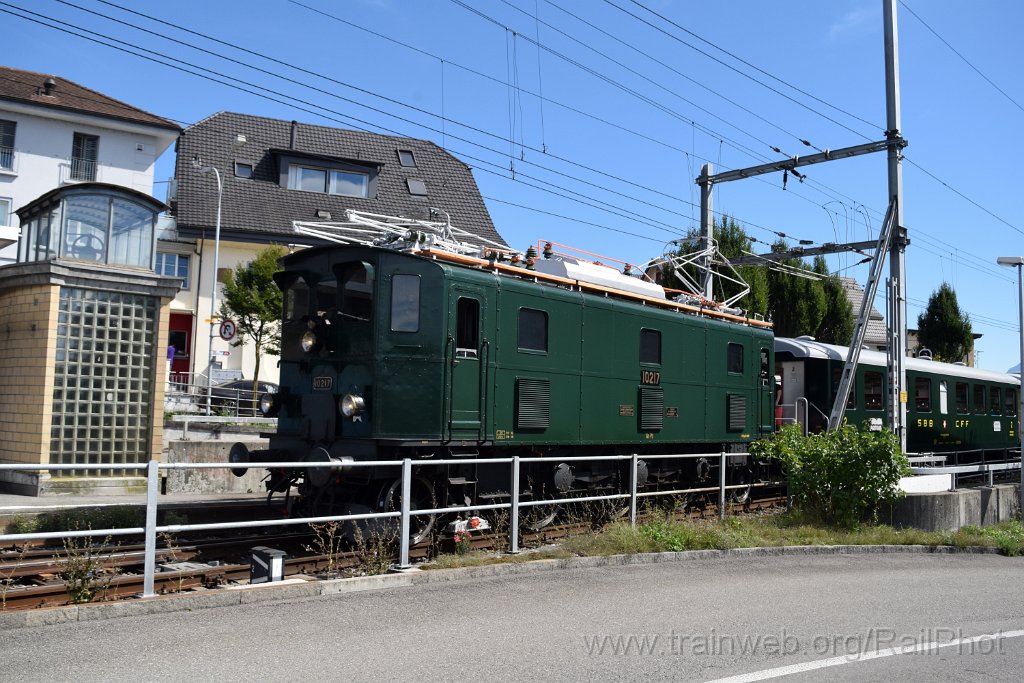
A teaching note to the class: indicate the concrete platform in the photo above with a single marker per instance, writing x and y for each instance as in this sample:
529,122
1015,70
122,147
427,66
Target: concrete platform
950,510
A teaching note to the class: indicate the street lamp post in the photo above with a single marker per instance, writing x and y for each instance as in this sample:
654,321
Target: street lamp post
1018,263
213,284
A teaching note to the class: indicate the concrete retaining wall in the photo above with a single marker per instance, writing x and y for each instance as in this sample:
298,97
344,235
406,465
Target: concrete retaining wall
950,510
211,480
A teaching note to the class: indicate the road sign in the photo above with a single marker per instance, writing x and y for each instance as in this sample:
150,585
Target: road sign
227,330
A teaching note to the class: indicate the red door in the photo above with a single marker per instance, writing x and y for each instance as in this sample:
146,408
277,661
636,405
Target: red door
179,335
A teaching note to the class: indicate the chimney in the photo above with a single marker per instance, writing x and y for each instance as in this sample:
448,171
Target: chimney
48,86
295,129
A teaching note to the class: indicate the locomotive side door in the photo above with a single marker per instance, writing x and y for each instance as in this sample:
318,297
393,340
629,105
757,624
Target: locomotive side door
467,357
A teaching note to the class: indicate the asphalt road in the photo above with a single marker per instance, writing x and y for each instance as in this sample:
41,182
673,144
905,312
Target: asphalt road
700,620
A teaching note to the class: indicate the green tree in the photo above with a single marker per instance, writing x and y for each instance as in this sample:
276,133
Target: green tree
252,299
836,326
944,328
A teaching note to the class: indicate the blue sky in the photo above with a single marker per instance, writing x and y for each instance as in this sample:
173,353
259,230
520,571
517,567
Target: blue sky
632,107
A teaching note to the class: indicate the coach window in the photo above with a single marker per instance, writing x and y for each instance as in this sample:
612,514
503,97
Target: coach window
943,398
735,359
873,390
405,303
993,400
467,327
1010,402
533,330
979,398
923,395
357,290
961,398
837,376
650,346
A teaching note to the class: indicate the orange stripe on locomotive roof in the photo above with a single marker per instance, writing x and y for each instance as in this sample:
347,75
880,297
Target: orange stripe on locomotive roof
521,272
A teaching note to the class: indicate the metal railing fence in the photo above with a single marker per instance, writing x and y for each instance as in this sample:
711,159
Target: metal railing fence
183,397
404,515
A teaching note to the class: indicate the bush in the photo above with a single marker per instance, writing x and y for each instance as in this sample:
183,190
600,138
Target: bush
841,477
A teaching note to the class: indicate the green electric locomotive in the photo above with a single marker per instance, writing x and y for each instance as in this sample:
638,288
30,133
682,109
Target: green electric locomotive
393,353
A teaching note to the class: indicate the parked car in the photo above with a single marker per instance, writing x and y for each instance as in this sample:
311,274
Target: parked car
237,396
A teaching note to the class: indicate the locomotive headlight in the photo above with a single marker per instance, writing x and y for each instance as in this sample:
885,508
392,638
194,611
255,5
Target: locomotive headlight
351,405
308,341
268,404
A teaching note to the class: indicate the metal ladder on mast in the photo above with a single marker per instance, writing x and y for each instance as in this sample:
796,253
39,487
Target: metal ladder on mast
861,326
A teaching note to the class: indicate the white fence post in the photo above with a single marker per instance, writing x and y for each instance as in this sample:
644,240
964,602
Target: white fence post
513,524
721,488
152,482
403,558
632,490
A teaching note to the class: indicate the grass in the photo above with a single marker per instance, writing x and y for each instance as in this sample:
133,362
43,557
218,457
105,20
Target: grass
746,532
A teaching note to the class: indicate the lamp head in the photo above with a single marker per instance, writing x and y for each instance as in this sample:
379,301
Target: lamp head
1010,261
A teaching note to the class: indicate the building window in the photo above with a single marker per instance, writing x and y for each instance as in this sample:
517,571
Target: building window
873,391
173,265
406,158
416,187
243,170
7,145
735,359
84,153
5,211
533,330
329,181
103,379
650,346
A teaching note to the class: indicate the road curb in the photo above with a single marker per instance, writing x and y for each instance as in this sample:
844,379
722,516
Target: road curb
187,602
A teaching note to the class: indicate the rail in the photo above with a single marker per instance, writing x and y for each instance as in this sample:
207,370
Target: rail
404,515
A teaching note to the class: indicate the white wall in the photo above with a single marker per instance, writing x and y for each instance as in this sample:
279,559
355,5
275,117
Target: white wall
42,144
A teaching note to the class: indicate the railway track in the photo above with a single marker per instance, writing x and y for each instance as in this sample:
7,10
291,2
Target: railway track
30,576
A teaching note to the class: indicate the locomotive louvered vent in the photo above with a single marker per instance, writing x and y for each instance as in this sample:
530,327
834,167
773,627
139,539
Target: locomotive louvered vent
652,408
737,409
533,403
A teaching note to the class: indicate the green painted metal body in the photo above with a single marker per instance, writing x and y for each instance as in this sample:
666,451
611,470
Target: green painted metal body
461,377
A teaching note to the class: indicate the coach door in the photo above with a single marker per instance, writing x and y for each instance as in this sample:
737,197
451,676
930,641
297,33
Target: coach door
468,352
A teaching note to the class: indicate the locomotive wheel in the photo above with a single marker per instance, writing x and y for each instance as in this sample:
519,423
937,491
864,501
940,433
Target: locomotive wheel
738,476
423,498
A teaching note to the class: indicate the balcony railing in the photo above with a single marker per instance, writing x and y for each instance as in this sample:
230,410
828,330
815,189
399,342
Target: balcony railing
6,158
83,169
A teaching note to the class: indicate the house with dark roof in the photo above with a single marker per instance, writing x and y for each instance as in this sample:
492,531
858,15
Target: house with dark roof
269,174
55,132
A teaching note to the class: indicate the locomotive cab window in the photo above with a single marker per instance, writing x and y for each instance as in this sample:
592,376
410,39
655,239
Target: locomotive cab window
765,377
467,327
533,330
326,297
873,391
405,303
734,359
923,395
979,398
296,299
356,290
650,346
961,398
1010,402
993,401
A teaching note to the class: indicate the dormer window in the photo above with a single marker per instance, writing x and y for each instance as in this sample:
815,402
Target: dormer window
330,181
406,158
